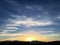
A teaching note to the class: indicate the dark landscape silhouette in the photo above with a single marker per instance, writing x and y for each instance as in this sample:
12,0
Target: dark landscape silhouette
29,43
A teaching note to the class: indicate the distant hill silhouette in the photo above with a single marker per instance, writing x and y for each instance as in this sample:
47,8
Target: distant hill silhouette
29,43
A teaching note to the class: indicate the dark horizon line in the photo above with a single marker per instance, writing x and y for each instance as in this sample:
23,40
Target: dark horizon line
29,41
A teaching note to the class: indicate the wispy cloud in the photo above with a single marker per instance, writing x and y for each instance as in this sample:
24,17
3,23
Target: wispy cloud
18,21
7,31
58,17
28,21
11,27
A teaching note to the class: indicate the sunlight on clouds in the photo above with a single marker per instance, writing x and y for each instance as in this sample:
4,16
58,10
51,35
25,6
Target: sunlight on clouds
23,20
28,21
26,35
54,36
4,33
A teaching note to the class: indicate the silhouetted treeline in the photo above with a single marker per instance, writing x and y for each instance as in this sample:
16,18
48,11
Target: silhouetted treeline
29,43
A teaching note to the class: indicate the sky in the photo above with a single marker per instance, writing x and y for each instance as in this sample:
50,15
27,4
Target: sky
20,19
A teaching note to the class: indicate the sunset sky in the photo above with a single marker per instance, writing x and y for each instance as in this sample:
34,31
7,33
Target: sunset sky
26,20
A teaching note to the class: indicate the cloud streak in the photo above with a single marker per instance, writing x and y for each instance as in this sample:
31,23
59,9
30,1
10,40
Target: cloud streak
22,20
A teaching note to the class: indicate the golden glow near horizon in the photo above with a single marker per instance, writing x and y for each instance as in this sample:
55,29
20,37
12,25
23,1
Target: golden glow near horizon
30,38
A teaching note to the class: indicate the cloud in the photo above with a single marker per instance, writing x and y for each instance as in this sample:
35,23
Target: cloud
47,32
28,21
11,27
58,17
6,31
29,7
